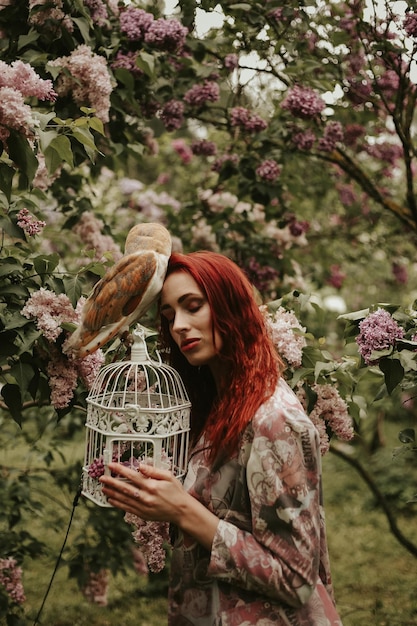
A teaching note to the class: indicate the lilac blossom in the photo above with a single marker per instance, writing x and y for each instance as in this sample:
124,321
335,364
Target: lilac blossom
346,193
23,78
233,159
268,170
399,271
304,140
168,35
329,415
135,22
200,94
14,114
353,132
333,134
202,147
385,151
337,277
127,61
98,11
378,331
88,229
11,580
247,120
183,150
96,587
63,375
50,311
51,16
172,114
410,24
303,102
29,223
150,537
89,366
87,79
287,335
231,61
261,276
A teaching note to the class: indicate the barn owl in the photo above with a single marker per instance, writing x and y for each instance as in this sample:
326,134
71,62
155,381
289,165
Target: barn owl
125,292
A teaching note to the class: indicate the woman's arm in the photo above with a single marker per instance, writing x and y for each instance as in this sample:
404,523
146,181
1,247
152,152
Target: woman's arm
155,494
280,556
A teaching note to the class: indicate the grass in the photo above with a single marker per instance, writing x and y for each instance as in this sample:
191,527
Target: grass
374,576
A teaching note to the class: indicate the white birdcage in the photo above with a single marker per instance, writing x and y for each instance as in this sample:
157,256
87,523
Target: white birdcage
138,412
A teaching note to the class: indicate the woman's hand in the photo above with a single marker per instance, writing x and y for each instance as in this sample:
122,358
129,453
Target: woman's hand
155,494
150,493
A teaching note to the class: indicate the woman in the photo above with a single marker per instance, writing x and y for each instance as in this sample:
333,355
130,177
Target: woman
249,535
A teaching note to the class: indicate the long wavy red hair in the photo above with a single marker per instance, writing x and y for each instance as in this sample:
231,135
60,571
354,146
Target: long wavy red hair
253,363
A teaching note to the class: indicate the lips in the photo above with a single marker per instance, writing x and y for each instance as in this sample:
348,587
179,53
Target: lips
189,344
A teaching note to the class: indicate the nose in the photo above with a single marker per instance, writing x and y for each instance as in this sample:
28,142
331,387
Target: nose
180,323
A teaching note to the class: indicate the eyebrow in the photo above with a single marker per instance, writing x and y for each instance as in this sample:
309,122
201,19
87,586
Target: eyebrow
181,299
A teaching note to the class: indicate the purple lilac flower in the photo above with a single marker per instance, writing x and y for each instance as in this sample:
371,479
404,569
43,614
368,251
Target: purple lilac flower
168,35
333,134
378,331
231,61
303,102
202,147
135,23
410,24
127,61
200,94
304,140
247,120
268,170
261,276
400,274
172,114
224,158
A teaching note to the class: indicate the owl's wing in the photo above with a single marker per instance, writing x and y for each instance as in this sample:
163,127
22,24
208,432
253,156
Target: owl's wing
120,291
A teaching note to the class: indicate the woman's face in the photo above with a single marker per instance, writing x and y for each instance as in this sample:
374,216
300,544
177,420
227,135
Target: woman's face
188,313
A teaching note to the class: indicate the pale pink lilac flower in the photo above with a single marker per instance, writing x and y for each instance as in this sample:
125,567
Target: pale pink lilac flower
43,179
11,579
268,170
135,22
150,537
89,366
303,102
287,334
96,587
330,414
247,120
203,236
89,229
139,562
23,78
183,150
203,147
62,375
200,94
333,134
88,80
50,311
29,223
15,114
168,35
378,331
172,114
153,205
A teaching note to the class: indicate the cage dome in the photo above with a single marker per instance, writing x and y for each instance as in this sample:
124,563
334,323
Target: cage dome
138,411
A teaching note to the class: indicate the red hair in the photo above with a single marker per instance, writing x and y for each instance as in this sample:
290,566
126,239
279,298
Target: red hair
253,363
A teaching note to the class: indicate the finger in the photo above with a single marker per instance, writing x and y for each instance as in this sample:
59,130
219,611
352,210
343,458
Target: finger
124,471
150,471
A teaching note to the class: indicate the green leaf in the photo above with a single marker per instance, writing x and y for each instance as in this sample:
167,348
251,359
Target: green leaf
407,435
23,374
58,150
6,179
45,264
84,28
13,399
393,373
146,62
22,154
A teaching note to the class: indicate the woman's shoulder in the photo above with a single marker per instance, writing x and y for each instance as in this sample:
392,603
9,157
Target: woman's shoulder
282,409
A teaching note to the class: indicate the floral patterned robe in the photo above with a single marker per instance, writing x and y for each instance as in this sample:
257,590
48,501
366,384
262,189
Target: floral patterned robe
269,562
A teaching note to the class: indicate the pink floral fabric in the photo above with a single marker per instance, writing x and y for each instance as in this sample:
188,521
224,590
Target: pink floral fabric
269,561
